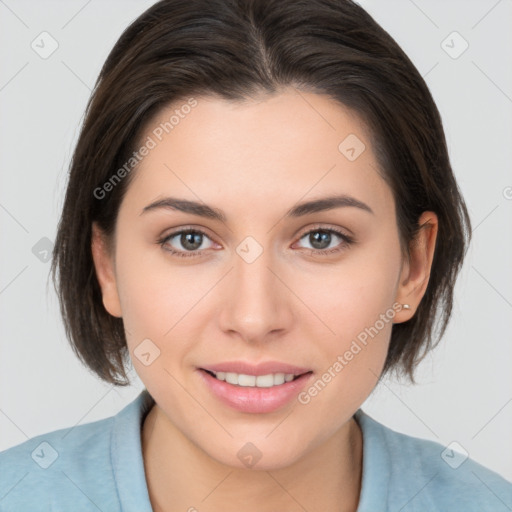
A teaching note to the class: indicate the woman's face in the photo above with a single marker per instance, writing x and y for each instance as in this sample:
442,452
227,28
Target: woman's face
262,285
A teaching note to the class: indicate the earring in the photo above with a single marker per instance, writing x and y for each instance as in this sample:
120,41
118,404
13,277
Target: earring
406,306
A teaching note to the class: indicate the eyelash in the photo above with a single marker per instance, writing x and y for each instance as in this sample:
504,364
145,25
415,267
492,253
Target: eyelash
346,242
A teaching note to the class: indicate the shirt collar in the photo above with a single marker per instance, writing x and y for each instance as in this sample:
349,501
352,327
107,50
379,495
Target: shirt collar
126,453
376,463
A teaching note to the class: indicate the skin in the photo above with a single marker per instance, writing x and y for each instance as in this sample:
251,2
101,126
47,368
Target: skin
255,160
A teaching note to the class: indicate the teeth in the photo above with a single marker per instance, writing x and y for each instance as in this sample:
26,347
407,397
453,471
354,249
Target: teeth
244,380
231,378
260,381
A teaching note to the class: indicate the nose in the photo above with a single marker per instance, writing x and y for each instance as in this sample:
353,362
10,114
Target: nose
256,303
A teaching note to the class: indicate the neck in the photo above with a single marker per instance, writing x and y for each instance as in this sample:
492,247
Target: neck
182,477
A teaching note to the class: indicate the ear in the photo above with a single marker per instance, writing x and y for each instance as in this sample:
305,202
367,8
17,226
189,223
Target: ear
105,271
415,273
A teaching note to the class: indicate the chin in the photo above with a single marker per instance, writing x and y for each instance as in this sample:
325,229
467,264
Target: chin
258,455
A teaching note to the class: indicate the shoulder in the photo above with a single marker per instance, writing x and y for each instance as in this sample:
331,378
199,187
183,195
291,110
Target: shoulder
425,475
68,463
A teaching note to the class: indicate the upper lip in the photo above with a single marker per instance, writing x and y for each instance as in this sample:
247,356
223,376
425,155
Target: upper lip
264,368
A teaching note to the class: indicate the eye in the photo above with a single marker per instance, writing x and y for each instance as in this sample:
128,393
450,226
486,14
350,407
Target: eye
321,239
191,240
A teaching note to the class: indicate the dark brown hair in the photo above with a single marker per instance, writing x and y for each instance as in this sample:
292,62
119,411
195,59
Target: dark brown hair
234,49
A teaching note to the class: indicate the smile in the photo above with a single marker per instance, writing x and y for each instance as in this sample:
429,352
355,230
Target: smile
258,394
259,381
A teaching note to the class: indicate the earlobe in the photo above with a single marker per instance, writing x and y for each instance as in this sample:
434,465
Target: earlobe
416,272
104,267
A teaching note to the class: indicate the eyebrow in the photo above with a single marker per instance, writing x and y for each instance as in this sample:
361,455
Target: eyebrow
299,210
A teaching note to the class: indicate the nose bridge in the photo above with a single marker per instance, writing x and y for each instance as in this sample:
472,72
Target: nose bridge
256,304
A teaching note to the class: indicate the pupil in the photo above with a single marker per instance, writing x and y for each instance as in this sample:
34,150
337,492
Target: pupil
191,240
324,236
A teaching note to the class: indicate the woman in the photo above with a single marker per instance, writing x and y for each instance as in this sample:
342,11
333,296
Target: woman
261,215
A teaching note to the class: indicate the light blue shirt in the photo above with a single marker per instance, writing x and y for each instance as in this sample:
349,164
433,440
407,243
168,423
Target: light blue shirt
99,466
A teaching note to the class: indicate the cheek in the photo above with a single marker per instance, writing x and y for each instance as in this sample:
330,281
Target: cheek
354,303
147,305
160,302
353,294
149,289
357,319
150,296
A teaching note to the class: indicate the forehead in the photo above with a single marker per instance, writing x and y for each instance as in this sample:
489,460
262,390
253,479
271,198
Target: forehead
260,154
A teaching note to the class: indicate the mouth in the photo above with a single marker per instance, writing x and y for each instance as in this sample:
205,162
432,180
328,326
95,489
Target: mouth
259,381
275,386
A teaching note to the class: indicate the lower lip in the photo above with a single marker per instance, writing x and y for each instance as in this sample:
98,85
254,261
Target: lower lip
254,399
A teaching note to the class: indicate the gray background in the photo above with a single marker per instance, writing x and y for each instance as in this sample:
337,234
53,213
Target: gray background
464,390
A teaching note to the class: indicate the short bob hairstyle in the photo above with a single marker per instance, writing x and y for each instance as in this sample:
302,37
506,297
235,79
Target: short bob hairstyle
233,50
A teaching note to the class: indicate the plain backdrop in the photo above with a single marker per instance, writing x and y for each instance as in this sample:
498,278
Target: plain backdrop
464,390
